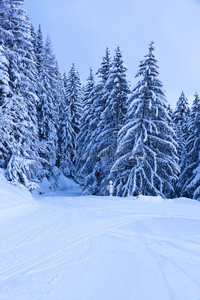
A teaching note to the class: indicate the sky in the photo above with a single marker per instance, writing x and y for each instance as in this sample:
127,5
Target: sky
81,30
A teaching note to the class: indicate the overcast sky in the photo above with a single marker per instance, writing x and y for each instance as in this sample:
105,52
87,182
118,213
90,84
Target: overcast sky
81,30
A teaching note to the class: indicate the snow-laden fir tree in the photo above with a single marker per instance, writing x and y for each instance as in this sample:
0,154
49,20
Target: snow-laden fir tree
6,53
180,118
189,181
47,110
73,94
85,121
66,136
91,167
147,161
112,118
5,121
23,165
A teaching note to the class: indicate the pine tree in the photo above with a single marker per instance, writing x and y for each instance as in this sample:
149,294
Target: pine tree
180,118
189,180
5,120
6,53
47,108
113,117
66,135
85,121
91,167
147,162
73,92
30,71
23,164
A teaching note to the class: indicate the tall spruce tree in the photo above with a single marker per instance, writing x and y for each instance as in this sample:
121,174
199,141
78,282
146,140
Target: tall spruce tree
5,120
85,121
189,180
180,118
29,71
91,167
147,161
47,108
112,118
66,135
23,164
73,94
7,56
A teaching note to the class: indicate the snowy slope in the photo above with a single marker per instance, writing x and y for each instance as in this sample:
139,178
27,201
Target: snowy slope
67,246
14,200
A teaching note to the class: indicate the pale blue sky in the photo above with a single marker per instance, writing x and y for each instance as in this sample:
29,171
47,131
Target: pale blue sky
81,30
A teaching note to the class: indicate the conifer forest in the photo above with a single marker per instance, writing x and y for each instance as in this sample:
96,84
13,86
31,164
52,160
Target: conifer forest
106,130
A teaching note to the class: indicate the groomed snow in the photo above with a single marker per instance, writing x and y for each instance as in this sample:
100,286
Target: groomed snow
65,246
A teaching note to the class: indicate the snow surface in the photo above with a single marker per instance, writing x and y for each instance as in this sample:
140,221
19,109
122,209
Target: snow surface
66,246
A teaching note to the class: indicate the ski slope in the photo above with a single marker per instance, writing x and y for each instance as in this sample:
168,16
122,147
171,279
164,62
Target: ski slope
65,246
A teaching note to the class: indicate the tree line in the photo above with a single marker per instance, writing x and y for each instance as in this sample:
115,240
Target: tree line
51,125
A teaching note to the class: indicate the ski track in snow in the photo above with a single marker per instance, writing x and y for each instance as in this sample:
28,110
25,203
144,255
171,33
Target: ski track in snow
73,247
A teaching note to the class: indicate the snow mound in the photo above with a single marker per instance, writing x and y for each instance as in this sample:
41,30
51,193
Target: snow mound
65,183
12,195
14,199
62,183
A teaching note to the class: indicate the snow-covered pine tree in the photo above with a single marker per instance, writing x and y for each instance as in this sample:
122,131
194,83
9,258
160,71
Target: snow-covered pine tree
113,117
23,164
180,118
6,38
85,130
66,136
147,161
91,167
73,92
5,121
189,181
47,108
